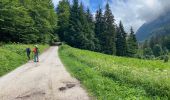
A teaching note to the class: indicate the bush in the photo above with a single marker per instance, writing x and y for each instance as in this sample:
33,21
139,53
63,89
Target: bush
166,58
149,57
1,43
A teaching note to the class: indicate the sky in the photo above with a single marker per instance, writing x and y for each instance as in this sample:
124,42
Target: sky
131,12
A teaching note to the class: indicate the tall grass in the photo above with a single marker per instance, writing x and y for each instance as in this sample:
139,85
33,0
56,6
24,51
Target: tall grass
111,78
14,55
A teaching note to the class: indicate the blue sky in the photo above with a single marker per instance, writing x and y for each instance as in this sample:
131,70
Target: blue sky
131,12
94,4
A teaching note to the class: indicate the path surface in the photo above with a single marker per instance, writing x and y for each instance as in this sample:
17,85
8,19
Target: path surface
46,80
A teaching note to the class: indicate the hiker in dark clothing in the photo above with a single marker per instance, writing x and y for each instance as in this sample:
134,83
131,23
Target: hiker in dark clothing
28,51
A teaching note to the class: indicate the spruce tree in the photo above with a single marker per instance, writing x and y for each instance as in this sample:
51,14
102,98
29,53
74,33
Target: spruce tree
109,32
89,29
72,37
99,29
132,45
121,44
63,12
83,26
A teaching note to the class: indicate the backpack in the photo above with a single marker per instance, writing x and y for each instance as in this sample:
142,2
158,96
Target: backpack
35,50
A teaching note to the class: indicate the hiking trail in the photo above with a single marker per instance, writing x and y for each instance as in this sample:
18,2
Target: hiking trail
45,80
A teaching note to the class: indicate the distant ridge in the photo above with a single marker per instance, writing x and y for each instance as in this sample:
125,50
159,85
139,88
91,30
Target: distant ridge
159,26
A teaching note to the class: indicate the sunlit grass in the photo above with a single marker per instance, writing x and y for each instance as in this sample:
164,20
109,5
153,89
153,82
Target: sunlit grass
14,55
111,78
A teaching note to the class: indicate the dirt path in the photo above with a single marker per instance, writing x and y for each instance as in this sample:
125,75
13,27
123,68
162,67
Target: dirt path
46,80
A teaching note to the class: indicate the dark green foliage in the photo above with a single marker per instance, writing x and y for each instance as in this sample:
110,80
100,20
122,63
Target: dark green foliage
148,53
73,35
132,45
76,26
88,29
121,44
78,29
166,41
105,31
109,32
165,51
166,58
157,50
63,12
159,46
27,21
87,32
35,21
99,29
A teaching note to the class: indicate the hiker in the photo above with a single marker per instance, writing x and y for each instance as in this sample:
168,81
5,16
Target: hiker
36,51
28,51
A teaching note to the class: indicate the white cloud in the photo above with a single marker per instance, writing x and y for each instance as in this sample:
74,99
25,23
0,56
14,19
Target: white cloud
136,12
55,2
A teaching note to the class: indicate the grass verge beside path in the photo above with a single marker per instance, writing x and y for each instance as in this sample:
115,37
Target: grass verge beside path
14,55
118,78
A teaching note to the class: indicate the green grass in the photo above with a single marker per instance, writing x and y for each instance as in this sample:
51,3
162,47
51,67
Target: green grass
118,78
14,55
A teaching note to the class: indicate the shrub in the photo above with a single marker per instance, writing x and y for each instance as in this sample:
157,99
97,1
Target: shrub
166,58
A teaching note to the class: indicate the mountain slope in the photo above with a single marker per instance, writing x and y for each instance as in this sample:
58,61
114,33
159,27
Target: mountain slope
161,25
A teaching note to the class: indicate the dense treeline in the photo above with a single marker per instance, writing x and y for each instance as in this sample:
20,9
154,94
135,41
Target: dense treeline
27,21
78,28
35,21
157,47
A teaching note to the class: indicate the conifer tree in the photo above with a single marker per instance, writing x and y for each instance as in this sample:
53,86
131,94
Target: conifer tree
83,26
89,29
109,32
73,37
121,44
99,29
63,12
132,45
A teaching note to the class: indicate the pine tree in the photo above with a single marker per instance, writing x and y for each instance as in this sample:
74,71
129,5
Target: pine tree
90,30
121,46
83,26
74,26
109,32
132,45
99,29
63,12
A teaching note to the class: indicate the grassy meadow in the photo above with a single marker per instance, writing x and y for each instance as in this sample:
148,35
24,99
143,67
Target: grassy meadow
14,55
117,78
